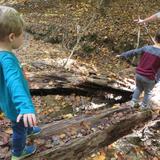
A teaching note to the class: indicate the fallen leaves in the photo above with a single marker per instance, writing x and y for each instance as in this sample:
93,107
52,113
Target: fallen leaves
4,138
102,62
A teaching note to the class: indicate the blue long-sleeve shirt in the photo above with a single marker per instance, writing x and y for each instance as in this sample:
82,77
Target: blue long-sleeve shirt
15,97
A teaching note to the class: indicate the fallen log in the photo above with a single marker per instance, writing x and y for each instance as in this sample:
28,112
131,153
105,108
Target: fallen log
109,126
77,121
66,83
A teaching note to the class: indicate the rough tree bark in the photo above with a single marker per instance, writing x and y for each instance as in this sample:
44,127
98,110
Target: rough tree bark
66,83
116,123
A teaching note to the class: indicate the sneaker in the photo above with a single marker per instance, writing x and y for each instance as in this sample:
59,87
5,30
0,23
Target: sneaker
28,151
35,131
133,104
144,107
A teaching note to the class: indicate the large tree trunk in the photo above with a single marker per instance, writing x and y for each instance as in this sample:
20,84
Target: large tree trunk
109,125
65,83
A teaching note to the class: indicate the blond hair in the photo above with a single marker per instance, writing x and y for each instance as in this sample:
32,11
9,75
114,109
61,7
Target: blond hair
10,22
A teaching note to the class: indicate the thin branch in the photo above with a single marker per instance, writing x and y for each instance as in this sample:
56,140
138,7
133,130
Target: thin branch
151,38
81,34
138,37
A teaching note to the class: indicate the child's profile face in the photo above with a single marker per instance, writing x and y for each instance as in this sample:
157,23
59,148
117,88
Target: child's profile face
17,41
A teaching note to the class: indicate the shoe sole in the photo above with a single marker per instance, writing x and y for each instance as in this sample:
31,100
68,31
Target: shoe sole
16,158
144,109
28,154
32,135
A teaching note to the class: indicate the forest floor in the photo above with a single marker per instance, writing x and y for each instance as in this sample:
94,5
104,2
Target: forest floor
56,107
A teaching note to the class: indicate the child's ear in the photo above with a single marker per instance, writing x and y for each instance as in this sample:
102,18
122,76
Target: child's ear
11,37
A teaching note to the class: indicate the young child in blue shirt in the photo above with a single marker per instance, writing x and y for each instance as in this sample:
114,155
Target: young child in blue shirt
15,99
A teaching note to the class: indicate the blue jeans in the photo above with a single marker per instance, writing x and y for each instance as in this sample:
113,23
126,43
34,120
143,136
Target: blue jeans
19,137
143,84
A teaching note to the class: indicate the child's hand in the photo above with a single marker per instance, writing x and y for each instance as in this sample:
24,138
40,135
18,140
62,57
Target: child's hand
28,119
140,21
118,56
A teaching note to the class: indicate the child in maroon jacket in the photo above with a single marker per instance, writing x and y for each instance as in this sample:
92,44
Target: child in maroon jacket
146,70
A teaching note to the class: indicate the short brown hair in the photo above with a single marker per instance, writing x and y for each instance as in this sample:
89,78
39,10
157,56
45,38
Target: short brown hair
157,36
10,22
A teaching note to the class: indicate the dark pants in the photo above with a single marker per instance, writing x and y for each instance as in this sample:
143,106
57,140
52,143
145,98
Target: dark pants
20,133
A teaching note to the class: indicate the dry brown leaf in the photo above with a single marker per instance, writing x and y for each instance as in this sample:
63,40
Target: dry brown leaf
8,131
62,136
86,125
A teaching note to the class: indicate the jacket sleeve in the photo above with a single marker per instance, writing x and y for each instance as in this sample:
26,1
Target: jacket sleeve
157,15
132,53
17,86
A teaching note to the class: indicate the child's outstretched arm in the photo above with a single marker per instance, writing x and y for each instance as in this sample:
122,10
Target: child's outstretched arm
18,89
132,53
148,19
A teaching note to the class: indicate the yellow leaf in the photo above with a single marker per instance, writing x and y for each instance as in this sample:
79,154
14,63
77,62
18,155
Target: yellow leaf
8,131
68,116
1,116
101,156
62,136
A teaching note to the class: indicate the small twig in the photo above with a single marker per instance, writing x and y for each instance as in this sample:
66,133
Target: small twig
74,48
138,41
138,37
152,39
137,45
79,38
81,34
